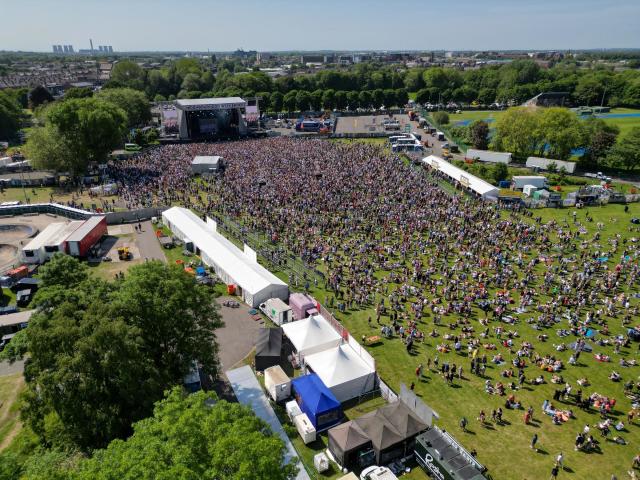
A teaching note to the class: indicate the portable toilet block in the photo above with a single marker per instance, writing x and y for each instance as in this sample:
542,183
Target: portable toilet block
305,428
277,383
293,409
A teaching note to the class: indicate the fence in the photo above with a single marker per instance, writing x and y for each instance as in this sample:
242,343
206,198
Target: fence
116,218
45,208
386,392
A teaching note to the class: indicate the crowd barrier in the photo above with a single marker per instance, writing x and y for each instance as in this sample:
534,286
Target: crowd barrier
45,209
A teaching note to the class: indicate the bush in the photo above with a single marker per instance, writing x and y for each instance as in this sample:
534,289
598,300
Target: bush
441,118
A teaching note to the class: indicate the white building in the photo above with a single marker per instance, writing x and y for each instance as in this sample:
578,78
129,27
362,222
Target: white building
487,156
254,283
343,372
543,164
205,164
477,185
50,241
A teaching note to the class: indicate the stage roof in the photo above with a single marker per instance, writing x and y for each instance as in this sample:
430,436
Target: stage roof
219,103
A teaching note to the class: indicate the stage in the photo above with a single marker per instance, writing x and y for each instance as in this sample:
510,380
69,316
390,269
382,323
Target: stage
211,118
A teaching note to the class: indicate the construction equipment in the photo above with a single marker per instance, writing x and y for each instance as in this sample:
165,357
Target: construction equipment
124,253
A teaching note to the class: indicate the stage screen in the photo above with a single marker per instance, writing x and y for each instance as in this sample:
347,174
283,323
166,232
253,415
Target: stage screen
207,125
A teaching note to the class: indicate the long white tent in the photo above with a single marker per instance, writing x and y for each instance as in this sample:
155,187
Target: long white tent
342,371
311,335
255,284
482,188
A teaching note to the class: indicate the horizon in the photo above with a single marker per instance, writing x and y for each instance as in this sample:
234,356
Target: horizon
404,25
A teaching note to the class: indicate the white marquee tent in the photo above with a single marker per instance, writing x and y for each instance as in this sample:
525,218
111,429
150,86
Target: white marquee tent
342,371
482,188
311,335
255,284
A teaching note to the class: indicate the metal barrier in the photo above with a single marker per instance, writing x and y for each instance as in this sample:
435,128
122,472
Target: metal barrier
45,208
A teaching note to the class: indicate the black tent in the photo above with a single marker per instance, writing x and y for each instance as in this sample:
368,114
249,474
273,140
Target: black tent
268,347
350,446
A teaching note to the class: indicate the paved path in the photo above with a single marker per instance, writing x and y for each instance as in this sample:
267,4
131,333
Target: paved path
148,243
238,337
249,392
9,369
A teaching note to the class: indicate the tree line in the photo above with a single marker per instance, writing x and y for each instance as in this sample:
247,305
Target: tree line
512,82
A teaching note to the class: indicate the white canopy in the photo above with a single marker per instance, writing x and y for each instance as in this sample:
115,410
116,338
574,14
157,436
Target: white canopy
312,334
257,284
479,186
343,371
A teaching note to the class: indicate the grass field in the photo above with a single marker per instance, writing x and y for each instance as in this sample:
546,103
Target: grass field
47,194
466,399
10,388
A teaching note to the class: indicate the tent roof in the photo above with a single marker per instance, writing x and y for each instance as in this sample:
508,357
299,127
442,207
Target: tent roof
382,434
403,419
311,332
248,274
339,365
482,188
315,395
348,436
269,343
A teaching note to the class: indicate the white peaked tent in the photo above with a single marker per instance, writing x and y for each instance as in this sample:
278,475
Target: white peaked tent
343,372
312,334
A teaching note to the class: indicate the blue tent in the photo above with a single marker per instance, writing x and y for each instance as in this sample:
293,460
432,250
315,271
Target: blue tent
317,401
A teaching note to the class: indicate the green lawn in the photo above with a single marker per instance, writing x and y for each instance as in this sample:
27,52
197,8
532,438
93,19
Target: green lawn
468,397
10,388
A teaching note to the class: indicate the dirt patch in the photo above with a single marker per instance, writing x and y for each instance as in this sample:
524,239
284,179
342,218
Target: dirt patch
8,253
17,232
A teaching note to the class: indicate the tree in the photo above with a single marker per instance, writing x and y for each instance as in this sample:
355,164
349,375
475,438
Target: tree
500,172
277,100
78,92
377,96
39,96
329,99
303,100
413,80
128,74
516,132
191,82
479,134
133,102
77,132
441,118
423,96
341,100
289,100
102,353
316,99
365,99
626,153
599,138
353,100
193,436
10,114
560,131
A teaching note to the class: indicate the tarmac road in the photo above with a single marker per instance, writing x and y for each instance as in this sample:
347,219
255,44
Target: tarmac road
148,243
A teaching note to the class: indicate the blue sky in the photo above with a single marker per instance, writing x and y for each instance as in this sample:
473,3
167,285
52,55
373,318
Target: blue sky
266,25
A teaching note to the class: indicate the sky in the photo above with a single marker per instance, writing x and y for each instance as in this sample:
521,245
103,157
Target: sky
276,25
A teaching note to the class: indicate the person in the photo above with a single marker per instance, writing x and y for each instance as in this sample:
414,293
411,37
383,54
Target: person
463,424
413,386
534,441
554,472
419,371
559,460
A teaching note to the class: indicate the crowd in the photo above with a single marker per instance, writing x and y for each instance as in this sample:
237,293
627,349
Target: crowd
388,238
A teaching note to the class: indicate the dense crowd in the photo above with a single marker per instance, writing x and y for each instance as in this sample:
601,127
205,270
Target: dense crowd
389,238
